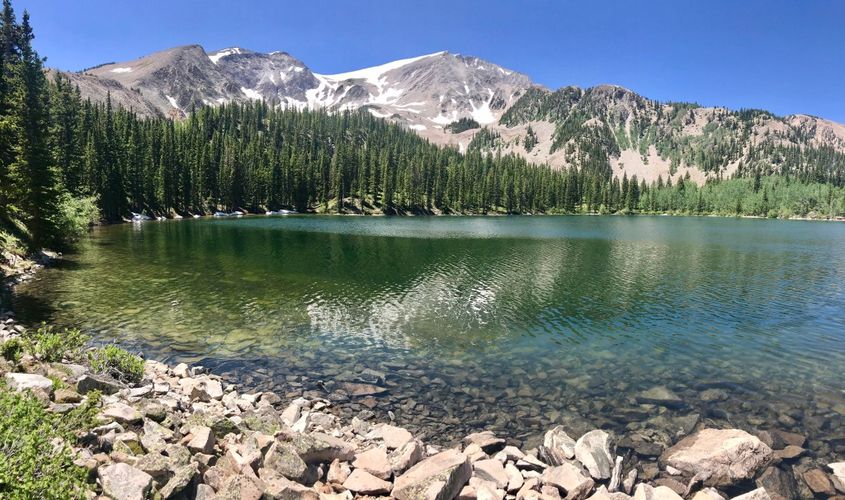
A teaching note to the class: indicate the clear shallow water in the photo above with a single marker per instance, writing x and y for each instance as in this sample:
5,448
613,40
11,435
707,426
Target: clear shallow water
510,323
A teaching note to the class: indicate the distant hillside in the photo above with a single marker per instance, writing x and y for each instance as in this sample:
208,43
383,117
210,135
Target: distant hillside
464,101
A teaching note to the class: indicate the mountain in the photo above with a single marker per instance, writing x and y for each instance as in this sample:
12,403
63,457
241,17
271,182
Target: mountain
467,102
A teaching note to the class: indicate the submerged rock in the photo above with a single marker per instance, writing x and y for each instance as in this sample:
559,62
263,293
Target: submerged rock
660,396
721,457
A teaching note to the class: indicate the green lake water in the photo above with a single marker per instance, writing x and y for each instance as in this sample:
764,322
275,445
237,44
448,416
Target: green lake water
505,323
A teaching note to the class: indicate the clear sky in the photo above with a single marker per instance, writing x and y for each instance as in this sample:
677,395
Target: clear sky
781,55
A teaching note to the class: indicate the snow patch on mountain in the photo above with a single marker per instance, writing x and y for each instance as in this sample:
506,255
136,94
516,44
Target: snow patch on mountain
216,56
251,93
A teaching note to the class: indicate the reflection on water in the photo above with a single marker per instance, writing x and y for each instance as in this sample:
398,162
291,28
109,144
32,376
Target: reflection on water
511,323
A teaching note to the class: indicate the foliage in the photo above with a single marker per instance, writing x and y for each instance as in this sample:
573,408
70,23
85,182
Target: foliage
48,344
35,454
118,363
12,349
462,125
73,218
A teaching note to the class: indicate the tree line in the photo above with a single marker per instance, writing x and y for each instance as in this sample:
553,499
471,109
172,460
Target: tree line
65,160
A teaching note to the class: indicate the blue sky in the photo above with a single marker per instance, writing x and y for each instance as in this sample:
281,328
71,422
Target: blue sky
784,56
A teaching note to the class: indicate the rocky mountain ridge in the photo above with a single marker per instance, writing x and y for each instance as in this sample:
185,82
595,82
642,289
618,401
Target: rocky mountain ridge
466,102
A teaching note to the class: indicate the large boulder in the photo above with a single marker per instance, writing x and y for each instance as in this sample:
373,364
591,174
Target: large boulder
438,477
124,481
593,450
722,457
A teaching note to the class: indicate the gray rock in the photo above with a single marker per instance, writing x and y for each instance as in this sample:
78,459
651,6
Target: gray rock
486,440
202,441
779,484
558,446
648,492
204,492
593,450
725,457
660,396
182,477
124,482
406,456
317,447
282,459
438,477
758,494
375,462
358,390
569,478
19,382
122,413
491,470
102,383
281,488
364,483
393,436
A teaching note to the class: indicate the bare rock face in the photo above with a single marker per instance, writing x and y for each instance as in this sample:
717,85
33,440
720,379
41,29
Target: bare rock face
438,477
124,481
724,457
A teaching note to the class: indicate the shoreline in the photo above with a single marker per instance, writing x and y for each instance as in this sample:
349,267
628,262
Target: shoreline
246,444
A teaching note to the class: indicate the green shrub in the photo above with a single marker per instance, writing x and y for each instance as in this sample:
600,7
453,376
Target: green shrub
50,345
73,219
12,350
117,362
35,454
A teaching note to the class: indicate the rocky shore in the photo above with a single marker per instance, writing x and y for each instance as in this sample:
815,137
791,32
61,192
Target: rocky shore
182,432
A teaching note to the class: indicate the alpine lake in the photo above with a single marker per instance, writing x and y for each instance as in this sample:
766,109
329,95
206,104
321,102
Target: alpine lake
643,326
